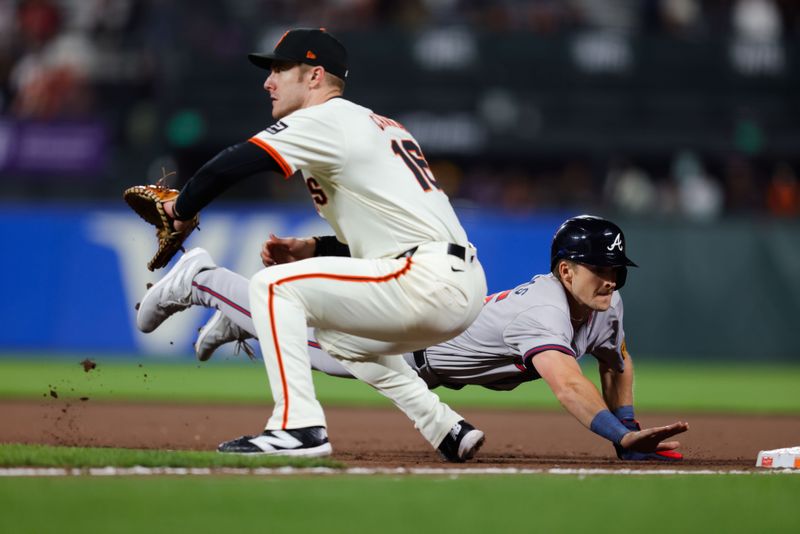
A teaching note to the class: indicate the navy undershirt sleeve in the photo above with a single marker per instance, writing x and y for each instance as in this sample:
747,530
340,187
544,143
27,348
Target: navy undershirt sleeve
218,174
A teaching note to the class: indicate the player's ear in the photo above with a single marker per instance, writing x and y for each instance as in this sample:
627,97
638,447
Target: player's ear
564,271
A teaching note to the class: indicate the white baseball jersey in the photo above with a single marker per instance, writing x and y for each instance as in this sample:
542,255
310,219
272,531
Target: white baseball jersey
514,326
369,179
356,167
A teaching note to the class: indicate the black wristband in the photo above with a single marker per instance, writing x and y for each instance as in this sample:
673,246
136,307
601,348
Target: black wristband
328,245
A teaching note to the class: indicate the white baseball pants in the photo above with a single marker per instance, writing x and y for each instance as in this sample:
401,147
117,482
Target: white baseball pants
366,312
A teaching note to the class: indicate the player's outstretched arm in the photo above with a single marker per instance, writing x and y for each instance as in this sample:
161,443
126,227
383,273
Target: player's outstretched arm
618,393
582,399
227,168
576,393
617,386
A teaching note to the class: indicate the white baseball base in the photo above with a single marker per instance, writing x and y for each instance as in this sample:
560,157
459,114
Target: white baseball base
788,458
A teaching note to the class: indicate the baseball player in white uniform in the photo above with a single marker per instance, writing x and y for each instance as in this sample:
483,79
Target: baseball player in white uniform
411,278
536,330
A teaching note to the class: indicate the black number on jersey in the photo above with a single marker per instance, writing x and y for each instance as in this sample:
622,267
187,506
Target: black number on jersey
415,160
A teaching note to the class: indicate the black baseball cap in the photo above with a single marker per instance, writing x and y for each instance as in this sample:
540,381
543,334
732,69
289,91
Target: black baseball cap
312,46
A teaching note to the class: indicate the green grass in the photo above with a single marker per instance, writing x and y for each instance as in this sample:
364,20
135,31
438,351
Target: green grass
386,504
140,380
740,388
16,455
737,388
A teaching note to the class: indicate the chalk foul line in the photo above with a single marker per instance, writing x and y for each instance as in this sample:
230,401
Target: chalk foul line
284,471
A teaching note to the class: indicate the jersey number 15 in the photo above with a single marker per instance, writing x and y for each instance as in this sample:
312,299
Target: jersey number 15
412,156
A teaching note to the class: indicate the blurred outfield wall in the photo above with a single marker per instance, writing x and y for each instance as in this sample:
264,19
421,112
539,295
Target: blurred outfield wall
73,274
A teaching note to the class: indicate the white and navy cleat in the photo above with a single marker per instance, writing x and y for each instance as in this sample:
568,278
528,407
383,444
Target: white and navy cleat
461,443
172,293
309,442
218,331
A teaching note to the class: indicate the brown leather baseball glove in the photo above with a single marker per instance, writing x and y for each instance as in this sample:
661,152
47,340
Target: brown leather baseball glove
148,201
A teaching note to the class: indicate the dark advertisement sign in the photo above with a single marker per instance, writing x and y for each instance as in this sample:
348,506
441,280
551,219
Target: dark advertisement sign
52,147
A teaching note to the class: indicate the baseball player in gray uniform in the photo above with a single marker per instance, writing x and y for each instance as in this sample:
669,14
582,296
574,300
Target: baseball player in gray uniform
410,279
539,329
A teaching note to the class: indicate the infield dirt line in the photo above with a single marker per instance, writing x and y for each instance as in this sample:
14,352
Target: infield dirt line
269,471
383,438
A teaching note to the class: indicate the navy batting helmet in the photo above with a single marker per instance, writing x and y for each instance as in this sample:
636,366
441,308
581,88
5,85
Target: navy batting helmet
592,241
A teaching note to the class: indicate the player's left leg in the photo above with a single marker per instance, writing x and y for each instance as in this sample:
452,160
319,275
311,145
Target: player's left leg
226,291
398,379
410,303
195,279
393,378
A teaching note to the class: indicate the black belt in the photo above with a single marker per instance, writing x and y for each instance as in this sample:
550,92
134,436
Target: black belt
419,358
454,250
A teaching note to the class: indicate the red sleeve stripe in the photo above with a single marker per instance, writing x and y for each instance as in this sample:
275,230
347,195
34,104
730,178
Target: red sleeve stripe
541,348
502,295
285,167
527,359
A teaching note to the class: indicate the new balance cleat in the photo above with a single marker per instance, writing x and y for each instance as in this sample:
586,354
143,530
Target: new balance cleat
461,443
311,441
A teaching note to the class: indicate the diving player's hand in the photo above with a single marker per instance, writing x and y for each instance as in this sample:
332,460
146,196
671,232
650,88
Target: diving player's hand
652,440
286,249
635,456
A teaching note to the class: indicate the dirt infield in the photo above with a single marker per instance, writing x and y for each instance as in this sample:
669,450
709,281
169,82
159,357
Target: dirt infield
385,438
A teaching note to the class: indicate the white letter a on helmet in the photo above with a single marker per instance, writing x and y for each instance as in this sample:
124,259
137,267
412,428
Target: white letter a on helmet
617,243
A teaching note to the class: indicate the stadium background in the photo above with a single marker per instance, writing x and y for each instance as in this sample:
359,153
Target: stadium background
676,118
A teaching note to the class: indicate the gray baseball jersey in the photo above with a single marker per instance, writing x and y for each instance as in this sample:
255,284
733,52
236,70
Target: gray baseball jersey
495,351
514,326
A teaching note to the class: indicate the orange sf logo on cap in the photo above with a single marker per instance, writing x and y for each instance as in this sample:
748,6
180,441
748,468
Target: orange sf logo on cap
311,55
